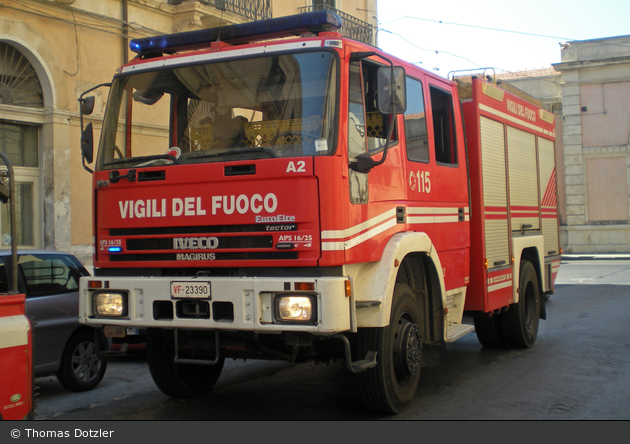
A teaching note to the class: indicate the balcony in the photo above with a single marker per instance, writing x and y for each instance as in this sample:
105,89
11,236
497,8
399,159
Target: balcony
250,9
352,27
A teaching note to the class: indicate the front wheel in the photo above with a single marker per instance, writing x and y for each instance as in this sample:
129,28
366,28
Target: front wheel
181,381
391,386
81,367
520,323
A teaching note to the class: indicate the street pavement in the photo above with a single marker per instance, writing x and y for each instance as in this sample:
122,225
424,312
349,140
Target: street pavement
578,370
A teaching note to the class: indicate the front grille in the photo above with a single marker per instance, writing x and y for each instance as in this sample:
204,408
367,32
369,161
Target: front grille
266,255
224,243
202,243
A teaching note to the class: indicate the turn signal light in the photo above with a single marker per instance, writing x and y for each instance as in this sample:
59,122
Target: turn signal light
304,286
95,284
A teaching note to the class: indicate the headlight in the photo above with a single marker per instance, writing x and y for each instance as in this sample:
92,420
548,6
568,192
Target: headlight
296,309
110,304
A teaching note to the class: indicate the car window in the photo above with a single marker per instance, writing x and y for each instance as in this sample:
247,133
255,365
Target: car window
50,274
4,280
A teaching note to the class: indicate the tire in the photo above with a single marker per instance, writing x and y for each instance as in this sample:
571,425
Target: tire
180,381
81,368
520,323
488,330
391,386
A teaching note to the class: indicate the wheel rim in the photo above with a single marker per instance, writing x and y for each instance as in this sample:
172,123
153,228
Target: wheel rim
85,362
407,350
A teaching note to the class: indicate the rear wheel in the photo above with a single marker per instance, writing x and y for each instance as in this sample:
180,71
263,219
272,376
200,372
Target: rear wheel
520,323
488,329
180,381
391,386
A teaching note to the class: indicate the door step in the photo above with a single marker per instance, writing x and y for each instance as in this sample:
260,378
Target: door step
456,331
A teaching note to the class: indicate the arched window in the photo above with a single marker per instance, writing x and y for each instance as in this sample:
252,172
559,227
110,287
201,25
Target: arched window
19,85
20,90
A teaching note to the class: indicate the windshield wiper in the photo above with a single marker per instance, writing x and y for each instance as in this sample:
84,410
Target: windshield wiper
144,160
205,154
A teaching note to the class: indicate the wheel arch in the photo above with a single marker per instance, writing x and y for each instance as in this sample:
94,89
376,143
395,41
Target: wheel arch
88,329
418,271
409,258
528,249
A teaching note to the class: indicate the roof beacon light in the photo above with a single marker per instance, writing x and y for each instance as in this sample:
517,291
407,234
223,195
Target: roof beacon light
292,25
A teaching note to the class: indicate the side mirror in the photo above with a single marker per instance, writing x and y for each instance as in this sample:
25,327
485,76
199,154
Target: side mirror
87,144
387,84
87,105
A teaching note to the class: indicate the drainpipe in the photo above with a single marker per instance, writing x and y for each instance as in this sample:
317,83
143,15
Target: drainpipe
125,43
125,29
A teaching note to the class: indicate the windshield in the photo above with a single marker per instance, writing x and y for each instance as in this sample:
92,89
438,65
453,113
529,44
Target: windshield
255,108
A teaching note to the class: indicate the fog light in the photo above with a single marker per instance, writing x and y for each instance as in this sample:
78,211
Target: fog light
110,304
295,309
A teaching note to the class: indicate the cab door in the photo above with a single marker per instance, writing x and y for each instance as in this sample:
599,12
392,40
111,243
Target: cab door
437,184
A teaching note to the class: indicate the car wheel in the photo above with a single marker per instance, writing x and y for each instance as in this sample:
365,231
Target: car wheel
81,366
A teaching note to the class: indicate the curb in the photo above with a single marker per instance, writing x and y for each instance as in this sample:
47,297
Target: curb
596,257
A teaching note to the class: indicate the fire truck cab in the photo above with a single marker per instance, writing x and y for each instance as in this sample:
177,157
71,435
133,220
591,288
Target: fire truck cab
312,198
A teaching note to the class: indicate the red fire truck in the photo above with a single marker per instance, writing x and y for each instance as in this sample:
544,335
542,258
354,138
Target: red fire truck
274,190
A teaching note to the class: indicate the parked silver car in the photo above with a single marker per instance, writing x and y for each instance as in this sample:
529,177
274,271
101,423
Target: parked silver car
61,346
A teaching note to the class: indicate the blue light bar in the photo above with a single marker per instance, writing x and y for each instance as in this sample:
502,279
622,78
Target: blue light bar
114,249
292,25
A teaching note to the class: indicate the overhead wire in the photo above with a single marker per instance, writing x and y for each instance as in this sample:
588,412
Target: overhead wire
477,27
485,28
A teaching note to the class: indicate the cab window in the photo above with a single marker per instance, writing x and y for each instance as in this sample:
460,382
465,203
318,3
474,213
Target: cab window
377,123
443,126
416,136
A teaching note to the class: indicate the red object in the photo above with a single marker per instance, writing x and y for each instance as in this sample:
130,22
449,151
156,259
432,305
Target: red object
16,390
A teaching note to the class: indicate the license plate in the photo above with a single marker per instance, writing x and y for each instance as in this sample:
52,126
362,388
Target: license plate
187,289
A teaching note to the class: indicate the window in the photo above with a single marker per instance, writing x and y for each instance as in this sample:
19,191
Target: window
4,279
443,126
19,85
21,90
49,274
20,144
378,124
324,4
280,105
416,123
607,189
356,135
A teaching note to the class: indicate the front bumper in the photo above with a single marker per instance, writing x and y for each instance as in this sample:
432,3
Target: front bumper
234,303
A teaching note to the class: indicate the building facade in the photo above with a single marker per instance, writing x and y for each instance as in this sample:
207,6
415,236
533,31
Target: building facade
51,51
595,90
589,92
